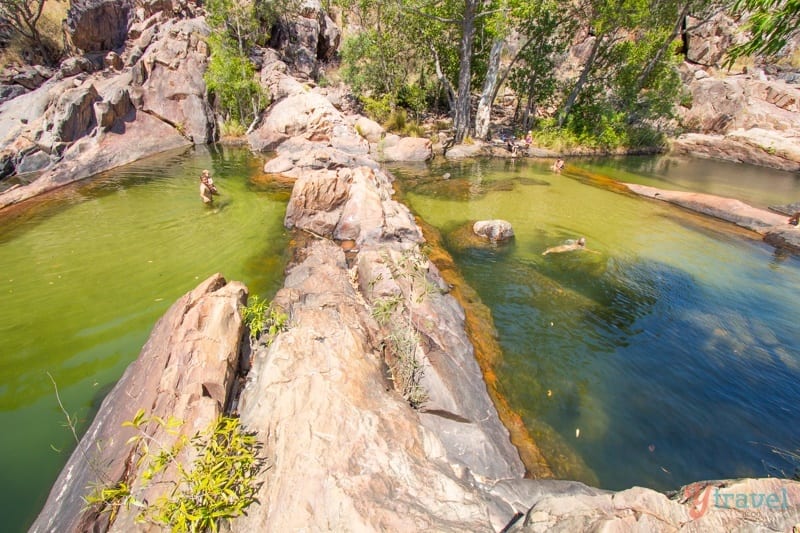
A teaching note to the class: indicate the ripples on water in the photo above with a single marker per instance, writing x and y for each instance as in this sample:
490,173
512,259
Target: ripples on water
87,270
672,347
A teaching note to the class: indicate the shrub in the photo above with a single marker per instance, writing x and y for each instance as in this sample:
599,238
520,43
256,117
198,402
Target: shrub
221,482
263,319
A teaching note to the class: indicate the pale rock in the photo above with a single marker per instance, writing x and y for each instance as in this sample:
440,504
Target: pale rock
494,230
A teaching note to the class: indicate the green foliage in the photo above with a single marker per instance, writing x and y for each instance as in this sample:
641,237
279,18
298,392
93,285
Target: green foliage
378,109
397,120
263,319
230,77
383,310
771,23
233,128
220,483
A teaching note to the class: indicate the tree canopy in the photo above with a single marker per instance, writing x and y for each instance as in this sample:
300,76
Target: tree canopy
771,23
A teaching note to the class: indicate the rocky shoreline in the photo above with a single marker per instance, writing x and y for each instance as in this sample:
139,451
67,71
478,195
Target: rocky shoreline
373,410
774,227
349,444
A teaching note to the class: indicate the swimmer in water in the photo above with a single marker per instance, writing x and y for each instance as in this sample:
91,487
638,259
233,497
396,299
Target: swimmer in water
570,246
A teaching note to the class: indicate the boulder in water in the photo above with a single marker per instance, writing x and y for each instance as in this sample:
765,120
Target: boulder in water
494,230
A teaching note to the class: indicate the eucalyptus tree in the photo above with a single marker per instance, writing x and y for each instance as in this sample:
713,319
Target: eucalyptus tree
23,17
771,23
547,29
464,16
377,57
608,23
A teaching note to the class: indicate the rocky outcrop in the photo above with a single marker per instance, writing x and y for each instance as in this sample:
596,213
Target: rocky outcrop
708,40
94,25
395,148
307,39
464,151
186,371
758,505
303,115
173,88
745,118
91,117
494,230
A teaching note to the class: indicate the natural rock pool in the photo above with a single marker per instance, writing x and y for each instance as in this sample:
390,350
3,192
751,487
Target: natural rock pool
668,351
88,270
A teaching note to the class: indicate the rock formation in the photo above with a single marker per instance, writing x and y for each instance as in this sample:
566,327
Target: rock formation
494,230
186,370
773,226
750,117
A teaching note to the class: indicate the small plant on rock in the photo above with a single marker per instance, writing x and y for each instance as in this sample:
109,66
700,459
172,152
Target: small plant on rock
220,483
263,319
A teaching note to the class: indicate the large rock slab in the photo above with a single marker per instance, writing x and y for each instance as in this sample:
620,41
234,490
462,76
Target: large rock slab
755,147
729,209
347,452
395,148
143,135
174,89
185,371
307,114
94,25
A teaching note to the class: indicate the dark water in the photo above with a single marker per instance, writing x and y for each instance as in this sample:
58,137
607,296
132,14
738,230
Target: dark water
85,273
667,352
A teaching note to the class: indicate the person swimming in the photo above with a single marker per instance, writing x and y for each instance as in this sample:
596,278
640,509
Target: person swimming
569,246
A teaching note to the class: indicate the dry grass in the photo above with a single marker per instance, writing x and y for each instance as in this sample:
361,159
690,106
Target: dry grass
54,12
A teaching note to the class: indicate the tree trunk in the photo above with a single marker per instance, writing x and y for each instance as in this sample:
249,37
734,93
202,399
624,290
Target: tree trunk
461,120
484,114
664,47
587,68
448,88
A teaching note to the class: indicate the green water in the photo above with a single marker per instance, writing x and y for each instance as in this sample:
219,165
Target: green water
667,352
88,270
757,186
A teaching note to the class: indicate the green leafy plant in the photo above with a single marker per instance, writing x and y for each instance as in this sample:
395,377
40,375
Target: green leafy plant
263,319
220,483
383,309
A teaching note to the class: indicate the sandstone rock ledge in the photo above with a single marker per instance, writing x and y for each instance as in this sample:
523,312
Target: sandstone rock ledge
773,226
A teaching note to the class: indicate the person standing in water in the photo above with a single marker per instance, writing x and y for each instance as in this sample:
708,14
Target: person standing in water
558,165
207,188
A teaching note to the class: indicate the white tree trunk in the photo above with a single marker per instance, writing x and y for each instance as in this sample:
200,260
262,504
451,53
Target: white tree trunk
483,116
